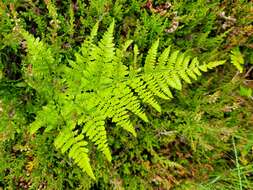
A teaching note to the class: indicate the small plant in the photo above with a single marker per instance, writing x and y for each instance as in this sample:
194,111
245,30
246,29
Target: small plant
98,87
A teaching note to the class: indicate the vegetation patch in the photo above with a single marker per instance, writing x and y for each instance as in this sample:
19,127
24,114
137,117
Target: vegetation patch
119,94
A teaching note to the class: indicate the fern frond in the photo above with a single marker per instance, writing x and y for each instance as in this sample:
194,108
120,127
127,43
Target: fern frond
138,85
154,85
99,87
214,64
183,67
39,65
47,117
170,70
193,70
94,128
126,45
94,32
106,44
237,59
67,140
123,101
164,56
151,57
87,46
172,60
39,56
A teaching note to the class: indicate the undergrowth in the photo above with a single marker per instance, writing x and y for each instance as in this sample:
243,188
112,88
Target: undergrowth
200,139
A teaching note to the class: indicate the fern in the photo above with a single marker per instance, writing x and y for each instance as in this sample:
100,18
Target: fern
99,87
237,59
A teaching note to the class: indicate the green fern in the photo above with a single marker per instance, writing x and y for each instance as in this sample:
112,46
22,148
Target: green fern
39,65
99,87
237,59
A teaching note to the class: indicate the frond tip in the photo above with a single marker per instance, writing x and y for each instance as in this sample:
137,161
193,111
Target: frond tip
68,140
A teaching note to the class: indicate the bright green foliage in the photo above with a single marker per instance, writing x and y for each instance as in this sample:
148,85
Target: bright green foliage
237,59
66,139
40,64
244,91
188,145
99,87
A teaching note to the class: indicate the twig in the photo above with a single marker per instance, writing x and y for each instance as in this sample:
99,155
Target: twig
248,72
234,78
237,165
